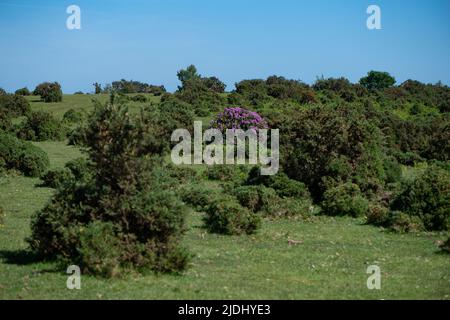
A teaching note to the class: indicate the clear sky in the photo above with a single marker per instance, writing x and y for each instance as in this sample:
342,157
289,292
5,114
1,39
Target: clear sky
149,40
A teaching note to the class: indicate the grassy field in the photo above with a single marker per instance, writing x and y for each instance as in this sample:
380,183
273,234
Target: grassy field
329,261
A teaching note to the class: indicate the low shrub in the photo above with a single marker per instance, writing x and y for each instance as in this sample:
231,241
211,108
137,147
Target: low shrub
281,183
2,217
345,199
72,116
41,126
182,174
5,122
138,98
197,196
256,198
14,105
22,156
377,215
56,178
224,215
402,222
224,172
427,197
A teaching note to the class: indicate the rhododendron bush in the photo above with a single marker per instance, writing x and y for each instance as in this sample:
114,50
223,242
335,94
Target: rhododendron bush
239,118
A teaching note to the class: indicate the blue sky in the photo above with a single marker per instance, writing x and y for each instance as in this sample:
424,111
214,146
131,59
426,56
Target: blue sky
233,40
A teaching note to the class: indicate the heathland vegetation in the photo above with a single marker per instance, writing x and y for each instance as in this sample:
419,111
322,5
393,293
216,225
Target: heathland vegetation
364,171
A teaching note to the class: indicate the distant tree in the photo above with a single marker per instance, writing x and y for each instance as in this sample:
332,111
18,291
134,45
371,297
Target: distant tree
376,80
98,88
214,84
187,74
2,91
49,91
23,92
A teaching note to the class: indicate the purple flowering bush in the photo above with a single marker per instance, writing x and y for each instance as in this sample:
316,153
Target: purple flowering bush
238,118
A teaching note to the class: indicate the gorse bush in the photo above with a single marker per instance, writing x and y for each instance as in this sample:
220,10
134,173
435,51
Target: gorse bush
49,91
73,116
345,199
225,215
41,126
123,213
427,197
22,156
56,178
324,144
284,187
14,105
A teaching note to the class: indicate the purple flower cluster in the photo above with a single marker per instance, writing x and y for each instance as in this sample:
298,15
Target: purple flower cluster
238,118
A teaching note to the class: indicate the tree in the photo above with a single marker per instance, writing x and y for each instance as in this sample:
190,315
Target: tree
376,80
98,88
189,73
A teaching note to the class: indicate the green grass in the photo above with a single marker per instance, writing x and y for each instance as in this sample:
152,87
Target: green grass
330,263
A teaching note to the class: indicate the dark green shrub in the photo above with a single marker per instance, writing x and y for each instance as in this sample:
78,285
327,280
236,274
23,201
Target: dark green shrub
80,169
198,196
123,200
427,198
226,173
41,126
5,121
76,136
23,92
376,80
22,156
224,215
56,178
323,143
49,91
138,98
284,187
101,249
256,198
14,105
182,174
72,116
345,199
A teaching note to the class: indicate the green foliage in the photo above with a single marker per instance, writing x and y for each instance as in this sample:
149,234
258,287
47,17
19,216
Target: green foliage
41,126
345,199
280,182
73,116
138,98
427,197
226,173
224,215
22,156
122,213
323,143
256,198
376,80
5,121
56,178
445,246
23,92
2,217
123,86
14,105
49,91
197,196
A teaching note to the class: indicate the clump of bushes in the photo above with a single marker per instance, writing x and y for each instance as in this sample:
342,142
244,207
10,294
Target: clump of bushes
345,199
427,198
238,118
281,183
445,246
41,126
49,91
226,173
55,178
14,105
23,92
72,116
22,156
123,214
197,196
138,98
225,215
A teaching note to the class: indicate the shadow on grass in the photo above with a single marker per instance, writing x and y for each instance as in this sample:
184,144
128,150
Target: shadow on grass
19,257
